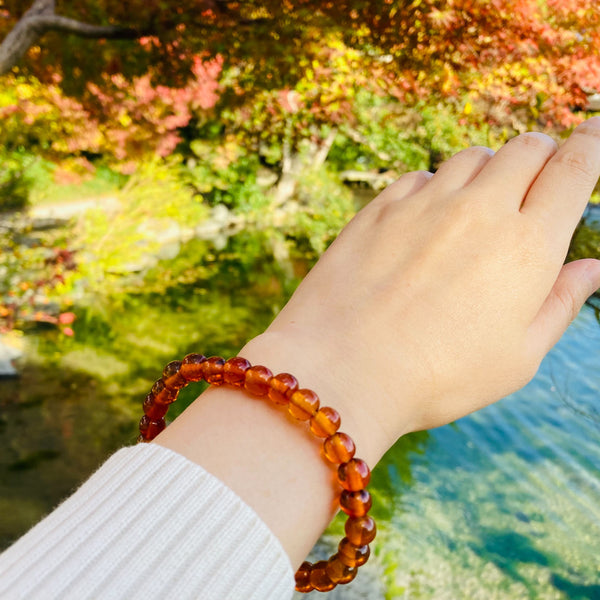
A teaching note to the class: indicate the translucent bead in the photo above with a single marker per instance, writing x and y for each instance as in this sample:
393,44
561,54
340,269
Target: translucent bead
326,422
191,367
281,387
360,530
338,572
355,504
153,409
213,370
144,423
155,428
141,439
319,578
172,378
162,394
339,448
303,578
257,380
354,475
303,405
351,555
234,371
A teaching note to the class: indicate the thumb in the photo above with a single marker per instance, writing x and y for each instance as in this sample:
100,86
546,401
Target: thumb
575,283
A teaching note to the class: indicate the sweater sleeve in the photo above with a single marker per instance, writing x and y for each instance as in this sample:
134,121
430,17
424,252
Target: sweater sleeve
148,524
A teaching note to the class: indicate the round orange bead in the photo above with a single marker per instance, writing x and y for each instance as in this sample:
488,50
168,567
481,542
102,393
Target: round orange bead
326,422
257,380
303,405
144,423
213,370
162,394
302,578
191,367
319,578
354,475
351,555
282,386
339,448
355,504
360,530
234,371
154,428
338,572
172,378
152,409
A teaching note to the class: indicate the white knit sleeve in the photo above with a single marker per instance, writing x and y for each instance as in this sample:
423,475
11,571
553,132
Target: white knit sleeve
148,524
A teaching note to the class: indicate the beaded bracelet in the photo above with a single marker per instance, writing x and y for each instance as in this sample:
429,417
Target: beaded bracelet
353,474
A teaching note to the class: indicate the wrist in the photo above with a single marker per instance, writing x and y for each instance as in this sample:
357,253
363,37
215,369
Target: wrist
321,367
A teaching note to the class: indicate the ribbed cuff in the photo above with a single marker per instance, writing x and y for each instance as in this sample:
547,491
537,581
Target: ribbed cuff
148,524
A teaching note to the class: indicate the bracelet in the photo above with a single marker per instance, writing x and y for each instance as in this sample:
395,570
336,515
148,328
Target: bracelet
353,474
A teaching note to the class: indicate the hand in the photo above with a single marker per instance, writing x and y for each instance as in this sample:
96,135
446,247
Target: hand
444,294
440,296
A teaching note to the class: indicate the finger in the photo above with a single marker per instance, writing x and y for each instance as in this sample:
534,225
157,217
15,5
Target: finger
576,282
404,186
515,166
462,168
563,188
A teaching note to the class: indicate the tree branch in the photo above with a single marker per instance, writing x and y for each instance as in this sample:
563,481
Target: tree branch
40,19
57,23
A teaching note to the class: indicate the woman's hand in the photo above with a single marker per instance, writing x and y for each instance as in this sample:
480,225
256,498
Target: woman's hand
444,294
441,296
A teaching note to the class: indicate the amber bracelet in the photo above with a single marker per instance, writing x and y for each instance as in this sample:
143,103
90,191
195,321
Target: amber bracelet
353,474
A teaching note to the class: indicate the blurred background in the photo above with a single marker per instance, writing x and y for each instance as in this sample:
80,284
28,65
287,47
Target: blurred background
169,171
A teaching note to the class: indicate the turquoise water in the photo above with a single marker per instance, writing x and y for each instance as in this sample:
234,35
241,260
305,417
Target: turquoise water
503,504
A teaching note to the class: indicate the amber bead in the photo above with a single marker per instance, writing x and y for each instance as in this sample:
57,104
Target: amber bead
351,555
339,448
281,387
338,572
354,475
355,504
153,409
144,423
172,378
154,428
234,371
141,439
257,380
360,530
213,370
162,394
303,405
191,367
326,422
302,578
319,578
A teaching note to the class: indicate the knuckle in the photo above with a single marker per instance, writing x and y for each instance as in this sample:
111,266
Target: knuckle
534,140
415,178
577,162
588,130
475,153
569,303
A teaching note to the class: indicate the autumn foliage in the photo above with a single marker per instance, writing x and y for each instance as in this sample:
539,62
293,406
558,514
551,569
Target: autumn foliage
228,88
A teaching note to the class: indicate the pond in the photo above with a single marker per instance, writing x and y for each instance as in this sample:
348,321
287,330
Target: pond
503,504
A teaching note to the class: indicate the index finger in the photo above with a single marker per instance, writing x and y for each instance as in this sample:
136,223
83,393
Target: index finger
563,187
